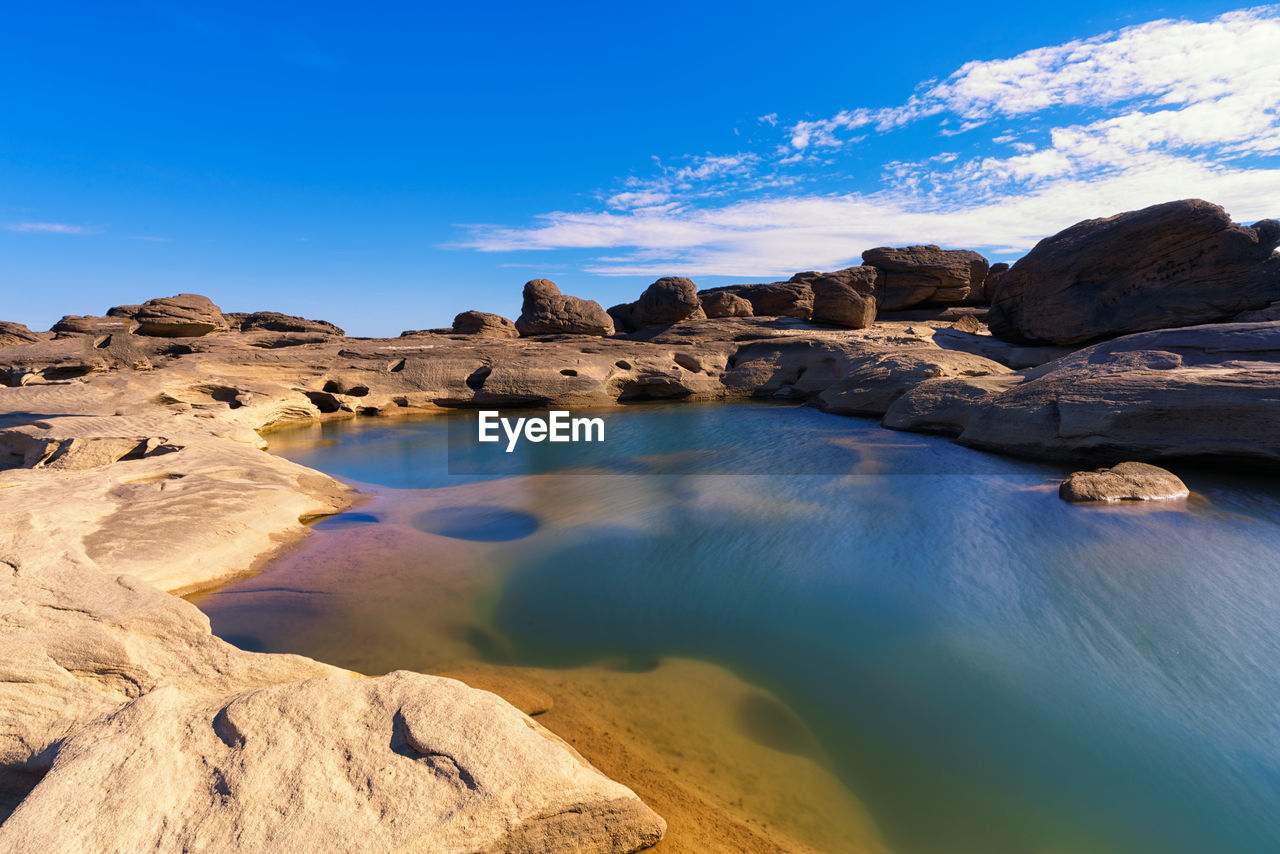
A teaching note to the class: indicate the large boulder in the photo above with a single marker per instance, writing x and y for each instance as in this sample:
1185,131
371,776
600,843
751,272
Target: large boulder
1176,264
1123,482
129,311
484,324
182,316
875,382
274,321
992,283
669,300
546,311
926,275
724,304
774,299
1200,391
15,333
845,297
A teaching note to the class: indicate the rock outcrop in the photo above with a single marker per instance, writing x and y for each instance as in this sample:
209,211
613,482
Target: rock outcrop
724,304
926,275
875,382
774,299
182,316
546,311
274,321
15,333
1176,264
671,299
846,297
992,284
1199,391
484,324
1123,482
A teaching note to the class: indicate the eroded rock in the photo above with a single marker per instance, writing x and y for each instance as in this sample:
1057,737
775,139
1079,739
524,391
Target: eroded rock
182,316
671,299
846,297
546,311
1123,482
926,275
274,321
725,304
484,324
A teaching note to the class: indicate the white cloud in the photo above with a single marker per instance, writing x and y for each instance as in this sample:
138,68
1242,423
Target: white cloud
1167,109
47,228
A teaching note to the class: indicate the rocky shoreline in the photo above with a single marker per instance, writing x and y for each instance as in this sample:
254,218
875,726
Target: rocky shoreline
133,466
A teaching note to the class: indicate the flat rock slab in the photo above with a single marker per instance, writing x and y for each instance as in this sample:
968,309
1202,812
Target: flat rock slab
1123,482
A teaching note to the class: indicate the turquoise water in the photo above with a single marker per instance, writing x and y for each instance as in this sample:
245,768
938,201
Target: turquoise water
990,669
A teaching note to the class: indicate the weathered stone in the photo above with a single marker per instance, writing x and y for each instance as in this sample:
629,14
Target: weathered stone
484,324
846,297
944,406
1123,482
16,333
182,316
546,311
875,381
128,311
274,321
926,275
624,318
668,300
1200,391
775,299
723,304
1175,264
992,283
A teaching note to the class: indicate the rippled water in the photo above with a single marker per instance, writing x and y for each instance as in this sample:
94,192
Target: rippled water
990,670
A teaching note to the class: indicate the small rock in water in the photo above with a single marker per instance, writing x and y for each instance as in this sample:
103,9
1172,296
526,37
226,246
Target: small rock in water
1123,482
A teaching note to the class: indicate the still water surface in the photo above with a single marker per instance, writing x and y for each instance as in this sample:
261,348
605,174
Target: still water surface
989,669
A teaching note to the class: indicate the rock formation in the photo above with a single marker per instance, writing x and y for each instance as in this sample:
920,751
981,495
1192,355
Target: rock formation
274,321
775,299
484,324
926,275
183,316
1123,482
846,297
668,300
15,333
546,311
1175,264
724,304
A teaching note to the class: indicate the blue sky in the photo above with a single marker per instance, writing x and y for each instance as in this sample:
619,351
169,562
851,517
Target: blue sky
388,166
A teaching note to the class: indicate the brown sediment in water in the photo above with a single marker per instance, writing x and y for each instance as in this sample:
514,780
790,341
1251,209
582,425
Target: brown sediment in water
727,765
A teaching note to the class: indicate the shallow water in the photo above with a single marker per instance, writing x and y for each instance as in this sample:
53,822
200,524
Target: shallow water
986,667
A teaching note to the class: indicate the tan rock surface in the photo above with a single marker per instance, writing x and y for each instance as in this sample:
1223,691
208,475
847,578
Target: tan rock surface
1123,482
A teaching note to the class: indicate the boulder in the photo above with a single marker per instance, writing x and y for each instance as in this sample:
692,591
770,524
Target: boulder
775,299
1123,482
992,282
1198,391
724,304
845,297
1262,315
876,381
76,324
484,324
669,300
274,321
546,311
15,333
1175,264
926,275
181,316
129,311
624,317
944,406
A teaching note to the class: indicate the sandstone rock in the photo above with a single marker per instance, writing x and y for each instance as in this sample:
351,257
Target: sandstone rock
1207,391
15,333
1123,482
1175,264
182,316
724,304
402,762
484,324
546,311
128,311
992,283
668,300
274,321
624,318
875,381
776,299
845,297
924,275
944,406
1262,315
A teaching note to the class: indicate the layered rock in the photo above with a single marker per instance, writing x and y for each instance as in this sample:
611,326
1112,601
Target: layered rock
546,311
182,316
992,283
775,299
15,333
926,275
876,381
1175,264
846,297
671,299
1123,482
1197,391
724,304
484,324
274,321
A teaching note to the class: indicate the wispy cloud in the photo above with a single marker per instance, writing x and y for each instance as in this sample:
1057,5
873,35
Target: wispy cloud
1026,145
48,228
